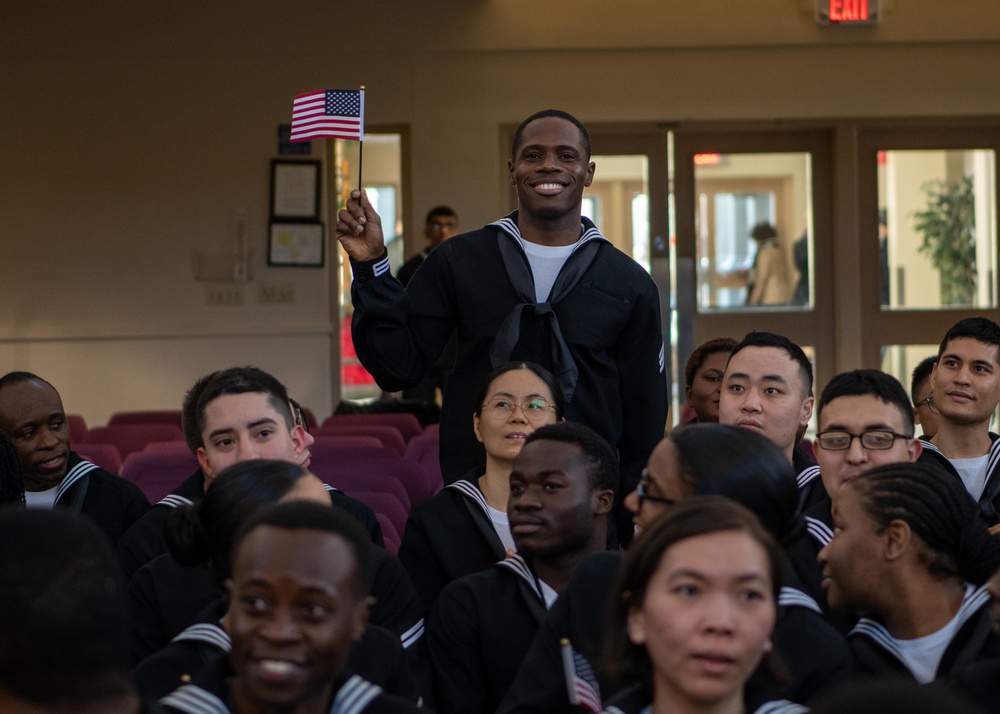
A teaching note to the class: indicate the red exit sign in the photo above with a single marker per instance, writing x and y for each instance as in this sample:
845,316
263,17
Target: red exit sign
847,12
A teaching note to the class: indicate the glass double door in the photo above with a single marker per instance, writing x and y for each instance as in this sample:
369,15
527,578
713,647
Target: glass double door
863,243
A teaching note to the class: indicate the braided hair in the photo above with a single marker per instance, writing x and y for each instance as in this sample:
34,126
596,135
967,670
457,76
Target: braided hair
936,507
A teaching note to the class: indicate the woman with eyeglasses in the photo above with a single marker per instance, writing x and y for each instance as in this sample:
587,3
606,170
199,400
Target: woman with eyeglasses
463,529
910,552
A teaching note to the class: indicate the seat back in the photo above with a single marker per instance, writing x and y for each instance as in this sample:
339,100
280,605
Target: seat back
407,424
133,437
104,455
158,473
355,469
425,452
147,416
77,428
388,435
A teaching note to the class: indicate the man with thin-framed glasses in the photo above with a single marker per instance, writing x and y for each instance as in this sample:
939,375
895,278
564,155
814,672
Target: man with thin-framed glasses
865,420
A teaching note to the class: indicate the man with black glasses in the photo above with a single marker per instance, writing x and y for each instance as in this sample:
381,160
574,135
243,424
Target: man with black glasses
865,420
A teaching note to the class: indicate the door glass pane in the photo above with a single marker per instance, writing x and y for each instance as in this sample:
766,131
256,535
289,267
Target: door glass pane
753,219
937,228
383,180
618,203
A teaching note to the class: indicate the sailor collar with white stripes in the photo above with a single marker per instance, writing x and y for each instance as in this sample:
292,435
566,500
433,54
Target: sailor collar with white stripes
508,226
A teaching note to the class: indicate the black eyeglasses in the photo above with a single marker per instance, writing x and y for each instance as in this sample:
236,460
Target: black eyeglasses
928,400
875,440
643,494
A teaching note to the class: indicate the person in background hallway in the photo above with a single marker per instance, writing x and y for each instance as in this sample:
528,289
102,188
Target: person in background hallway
440,225
769,283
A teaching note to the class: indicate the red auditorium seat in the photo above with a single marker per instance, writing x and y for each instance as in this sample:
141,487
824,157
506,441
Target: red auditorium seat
424,450
408,424
389,436
104,455
363,468
77,428
147,416
157,474
132,437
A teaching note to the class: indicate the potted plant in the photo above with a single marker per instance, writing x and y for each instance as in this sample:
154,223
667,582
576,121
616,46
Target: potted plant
949,237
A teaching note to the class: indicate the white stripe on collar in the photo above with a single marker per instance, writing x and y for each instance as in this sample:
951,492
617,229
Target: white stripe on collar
781,706
175,501
355,694
470,490
206,633
974,600
75,474
192,699
807,475
413,635
821,532
790,597
519,566
587,233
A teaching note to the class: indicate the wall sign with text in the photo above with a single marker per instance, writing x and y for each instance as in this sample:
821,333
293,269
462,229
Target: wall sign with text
847,12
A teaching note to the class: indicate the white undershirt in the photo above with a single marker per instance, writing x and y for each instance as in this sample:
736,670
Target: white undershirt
546,261
41,499
502,526
973,473
922,655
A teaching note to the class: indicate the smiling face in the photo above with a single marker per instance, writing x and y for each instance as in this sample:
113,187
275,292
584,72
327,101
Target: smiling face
707,617
706,387
241,427
32,417
763,390
296,608
502,434
857,414
550,169
966,381
852,562
553,505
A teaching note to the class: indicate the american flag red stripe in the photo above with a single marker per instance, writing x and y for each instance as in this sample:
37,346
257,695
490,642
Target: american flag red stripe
581,684
332,113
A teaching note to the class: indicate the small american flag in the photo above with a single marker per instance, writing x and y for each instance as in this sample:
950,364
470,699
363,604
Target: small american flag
333,113
581,684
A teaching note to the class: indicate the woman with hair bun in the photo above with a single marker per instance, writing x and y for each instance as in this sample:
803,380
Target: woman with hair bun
910,551
167,594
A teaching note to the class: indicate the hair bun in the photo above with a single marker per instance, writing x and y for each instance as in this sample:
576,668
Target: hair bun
185,536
